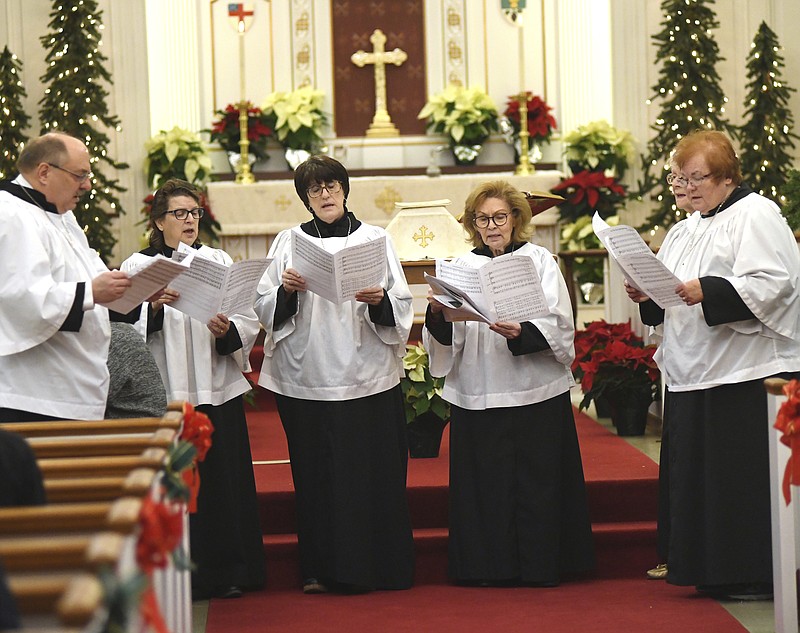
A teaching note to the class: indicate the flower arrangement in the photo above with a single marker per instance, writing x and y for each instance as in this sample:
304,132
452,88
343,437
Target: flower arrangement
787,422
225,130
421,391
612,360
179,153
599,146
587,192
296,117
467,115
541,123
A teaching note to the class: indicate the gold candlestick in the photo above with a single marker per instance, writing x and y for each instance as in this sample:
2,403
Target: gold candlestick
524,168
243,174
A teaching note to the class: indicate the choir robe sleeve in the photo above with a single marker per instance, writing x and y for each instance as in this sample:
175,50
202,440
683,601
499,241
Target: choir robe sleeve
268,297
33,304
765,271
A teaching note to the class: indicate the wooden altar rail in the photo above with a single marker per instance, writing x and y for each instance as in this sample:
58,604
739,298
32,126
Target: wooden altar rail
785,520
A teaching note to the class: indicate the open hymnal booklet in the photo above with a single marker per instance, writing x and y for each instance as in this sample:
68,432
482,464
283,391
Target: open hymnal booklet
209,288
338,276
507,288
641,267
146,280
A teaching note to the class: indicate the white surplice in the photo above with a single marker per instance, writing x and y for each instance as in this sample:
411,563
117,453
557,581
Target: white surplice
750,245
480,371
185,352
43,257
327,351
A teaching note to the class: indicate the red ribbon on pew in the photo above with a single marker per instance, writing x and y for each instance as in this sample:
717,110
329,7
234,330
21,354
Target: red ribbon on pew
788,423
160,532
197,429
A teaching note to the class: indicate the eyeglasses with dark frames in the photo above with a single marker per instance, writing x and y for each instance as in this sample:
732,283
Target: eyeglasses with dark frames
315,191
80,178
182,214
681,181
499,219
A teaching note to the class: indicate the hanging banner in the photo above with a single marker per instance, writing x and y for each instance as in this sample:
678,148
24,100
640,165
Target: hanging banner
240,16
513,9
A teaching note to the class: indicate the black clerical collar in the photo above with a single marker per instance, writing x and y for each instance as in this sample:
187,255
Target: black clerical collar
741,191
344,226
26,194
166,251
487,252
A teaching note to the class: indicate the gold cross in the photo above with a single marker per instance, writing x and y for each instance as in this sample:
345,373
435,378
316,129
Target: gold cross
423,236
282,202
386,199
381,123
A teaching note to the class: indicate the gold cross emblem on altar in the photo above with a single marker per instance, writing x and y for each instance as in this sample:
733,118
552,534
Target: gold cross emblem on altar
283,203
386,199
423,236
381,125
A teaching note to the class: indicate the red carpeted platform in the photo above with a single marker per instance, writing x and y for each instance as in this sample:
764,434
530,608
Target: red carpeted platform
621,484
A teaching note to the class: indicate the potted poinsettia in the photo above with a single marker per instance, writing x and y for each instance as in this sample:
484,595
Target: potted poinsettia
599,146
466,115
225,130
613,362
541,124
298,120
426,412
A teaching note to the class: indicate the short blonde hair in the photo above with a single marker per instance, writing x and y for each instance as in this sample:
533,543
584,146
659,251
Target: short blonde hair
520,210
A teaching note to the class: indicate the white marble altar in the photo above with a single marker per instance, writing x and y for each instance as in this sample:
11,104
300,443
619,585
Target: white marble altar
251,215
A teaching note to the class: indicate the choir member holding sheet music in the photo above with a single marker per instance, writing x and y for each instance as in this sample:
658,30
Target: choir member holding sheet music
739,268
335,368
202,363
55,332
518,512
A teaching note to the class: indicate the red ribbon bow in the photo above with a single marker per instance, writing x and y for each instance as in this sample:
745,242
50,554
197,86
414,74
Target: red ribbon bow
788,423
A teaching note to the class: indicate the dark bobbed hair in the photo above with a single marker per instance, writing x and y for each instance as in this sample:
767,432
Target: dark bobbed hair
520,210
318,170
717,149
172,188
48,148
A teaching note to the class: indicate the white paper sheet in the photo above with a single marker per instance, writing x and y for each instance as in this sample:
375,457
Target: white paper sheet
146,280
338,276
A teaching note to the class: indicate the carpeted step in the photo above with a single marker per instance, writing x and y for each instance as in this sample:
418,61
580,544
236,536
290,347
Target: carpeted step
623,550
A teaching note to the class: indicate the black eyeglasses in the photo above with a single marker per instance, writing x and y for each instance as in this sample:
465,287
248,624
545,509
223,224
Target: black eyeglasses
80,178
182,214
499,219
315,191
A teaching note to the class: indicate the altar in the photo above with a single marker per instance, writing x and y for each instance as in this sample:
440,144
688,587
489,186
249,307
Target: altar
252,215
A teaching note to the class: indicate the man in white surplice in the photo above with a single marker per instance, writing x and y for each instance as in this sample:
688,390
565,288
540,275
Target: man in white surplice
53,334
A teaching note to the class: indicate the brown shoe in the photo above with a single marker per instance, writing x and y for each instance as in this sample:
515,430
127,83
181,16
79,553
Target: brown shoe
659,572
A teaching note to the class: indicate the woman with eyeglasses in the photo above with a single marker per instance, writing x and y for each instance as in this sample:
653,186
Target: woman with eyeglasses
518,511
202,363
335,371
740,270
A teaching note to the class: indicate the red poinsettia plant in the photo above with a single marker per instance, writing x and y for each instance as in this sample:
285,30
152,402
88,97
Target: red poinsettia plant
788,423
225,129
540,122
610,358
589,191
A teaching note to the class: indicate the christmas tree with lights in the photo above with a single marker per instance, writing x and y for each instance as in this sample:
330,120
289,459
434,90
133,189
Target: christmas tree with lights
13,119
690,96
767,132
75,103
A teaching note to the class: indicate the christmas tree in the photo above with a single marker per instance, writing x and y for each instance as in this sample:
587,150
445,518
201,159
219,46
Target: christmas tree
767,132
13,119
75,102
690,96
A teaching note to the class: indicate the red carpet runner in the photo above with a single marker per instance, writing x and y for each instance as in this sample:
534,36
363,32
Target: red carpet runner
621,484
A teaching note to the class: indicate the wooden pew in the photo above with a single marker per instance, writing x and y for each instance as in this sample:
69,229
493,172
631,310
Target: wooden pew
170,420
120,515
101,466
86,552
100,445
74,598
137,483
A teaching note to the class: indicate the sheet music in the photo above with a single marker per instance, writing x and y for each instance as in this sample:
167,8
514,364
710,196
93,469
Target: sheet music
641,267
209,287
338,276
507,288
146,280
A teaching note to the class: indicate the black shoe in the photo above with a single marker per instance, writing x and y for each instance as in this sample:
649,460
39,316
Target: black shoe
739,591
312,586
230,592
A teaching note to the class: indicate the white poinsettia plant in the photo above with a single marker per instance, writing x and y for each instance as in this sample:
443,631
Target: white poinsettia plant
599,146
467,115
297,117
176,153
